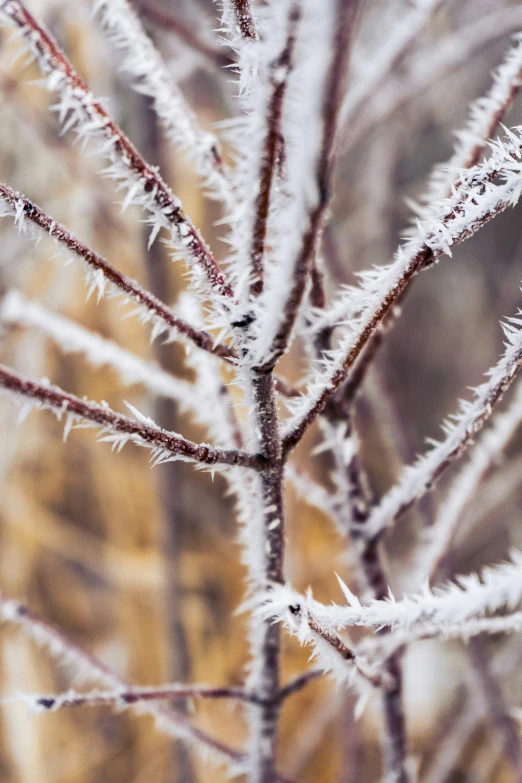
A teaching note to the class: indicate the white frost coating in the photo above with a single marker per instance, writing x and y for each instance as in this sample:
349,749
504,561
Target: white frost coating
94,279
246,132
213,407
297,194
375,648
465,486
459,429
313,493
77,111
483,118
73,338
244,486
107,433
358,672
87,668
472,596
383,58
451,220
152,77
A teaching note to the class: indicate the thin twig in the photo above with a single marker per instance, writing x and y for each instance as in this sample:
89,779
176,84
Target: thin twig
135,695
25,210
325,168
120,428
279,74
91,120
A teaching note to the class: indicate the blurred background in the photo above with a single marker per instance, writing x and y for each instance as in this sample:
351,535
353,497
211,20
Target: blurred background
142,566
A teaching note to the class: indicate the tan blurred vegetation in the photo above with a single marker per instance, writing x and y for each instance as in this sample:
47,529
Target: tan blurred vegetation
115,553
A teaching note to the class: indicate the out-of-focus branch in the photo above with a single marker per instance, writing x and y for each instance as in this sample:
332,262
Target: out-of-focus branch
166,20
460,431
432,65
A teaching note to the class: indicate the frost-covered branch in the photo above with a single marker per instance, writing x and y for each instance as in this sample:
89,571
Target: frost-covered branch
151,77
244,17
494,589
100,275
125,697
485,191
272,150
464,488
332,96
399,40
99,352
465,630
330,650
460,430
86,666
118,429
79,110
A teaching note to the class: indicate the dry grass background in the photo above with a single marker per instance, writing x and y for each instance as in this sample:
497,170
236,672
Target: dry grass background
112,551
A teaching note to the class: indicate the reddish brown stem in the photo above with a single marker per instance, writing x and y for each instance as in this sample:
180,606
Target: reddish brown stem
61,402
325,166
63,237
272,143
53,60
245,19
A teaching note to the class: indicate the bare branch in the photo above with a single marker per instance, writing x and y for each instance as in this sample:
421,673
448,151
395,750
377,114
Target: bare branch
26,212
333,92
119,429
143,183
280,73
460,430
244,19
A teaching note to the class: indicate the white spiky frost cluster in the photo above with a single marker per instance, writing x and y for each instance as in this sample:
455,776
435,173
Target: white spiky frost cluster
451,220
293,189
495,589
152,78
482,122
213,408
359,673
246,131
296,194
379,648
